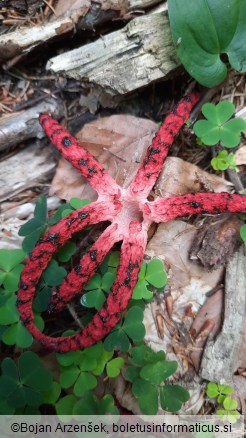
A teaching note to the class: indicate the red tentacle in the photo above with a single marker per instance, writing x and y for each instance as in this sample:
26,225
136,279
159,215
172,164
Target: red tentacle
166,209
159,148
101,324
50,243
81,274
82,160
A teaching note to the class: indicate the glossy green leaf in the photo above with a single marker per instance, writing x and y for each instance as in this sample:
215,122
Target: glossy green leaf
202,30
93,299
172,397
9,258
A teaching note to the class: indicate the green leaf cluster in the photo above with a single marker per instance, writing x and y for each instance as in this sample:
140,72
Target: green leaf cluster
224,161
12,331
218,127
23,384
148,372
88,404
151,274
227,408
35,227
79,370
203,30
131,328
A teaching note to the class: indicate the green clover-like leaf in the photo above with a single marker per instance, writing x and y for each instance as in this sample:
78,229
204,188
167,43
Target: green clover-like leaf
155,274
84,383
54,274
229,403
66,252
133,324
224,161
93,299
172,397
143,355
147,396
157,372
65,406
114,366
24,385
218,128
117,340
89,404
10,258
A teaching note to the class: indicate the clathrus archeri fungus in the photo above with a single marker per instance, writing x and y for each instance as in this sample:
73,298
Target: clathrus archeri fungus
130,214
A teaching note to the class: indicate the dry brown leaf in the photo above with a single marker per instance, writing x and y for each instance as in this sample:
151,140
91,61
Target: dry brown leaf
119,142
240,156
179,177
63,6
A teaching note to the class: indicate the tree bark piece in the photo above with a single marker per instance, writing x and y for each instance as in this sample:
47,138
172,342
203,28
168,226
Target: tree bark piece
133,57
88,16
24,170
219,360
20,126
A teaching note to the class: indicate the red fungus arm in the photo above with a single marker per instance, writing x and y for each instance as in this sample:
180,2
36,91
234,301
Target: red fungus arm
82,160
166,209
50,243
159,148
79,276
101,324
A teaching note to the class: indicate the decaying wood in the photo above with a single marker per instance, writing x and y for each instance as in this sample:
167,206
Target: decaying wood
25,169
91,14
20,126
125,60
219,360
